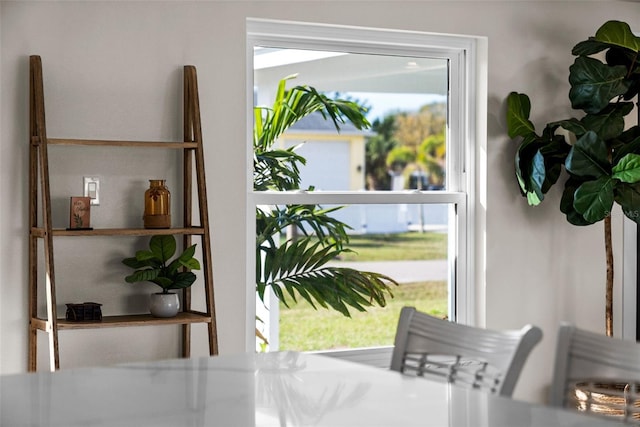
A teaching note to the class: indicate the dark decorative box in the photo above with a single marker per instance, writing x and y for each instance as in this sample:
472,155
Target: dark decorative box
83,312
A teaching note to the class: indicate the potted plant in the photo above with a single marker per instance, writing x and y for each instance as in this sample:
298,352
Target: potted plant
154,266
600,155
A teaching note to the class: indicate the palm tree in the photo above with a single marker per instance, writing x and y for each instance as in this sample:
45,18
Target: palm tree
432,156
377,149
296,267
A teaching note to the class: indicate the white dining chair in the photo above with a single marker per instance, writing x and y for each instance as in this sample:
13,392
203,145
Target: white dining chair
480,358
596,374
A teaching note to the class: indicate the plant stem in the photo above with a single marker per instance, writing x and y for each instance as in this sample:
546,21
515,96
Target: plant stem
609,287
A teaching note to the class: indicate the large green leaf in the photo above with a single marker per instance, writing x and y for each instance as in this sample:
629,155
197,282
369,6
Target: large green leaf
628,59
162,281
145,256
628,196
143,275
566,203
628,169
628,142
135,262
530,171
618,33
594,84
608,123
613,35
588,157
573,125
518,110
533,198
589,47
187,260
183,280
191,264
594,199
555,153
539,162
537,174
163,247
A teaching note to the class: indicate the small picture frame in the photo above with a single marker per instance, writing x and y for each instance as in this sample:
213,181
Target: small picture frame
80,213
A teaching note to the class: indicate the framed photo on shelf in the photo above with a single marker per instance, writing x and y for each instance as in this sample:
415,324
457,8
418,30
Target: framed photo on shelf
80,213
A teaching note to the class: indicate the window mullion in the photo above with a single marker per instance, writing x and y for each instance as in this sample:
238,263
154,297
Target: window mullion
369,197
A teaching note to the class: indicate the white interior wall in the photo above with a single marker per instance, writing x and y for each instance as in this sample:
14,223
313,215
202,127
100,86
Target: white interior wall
113,70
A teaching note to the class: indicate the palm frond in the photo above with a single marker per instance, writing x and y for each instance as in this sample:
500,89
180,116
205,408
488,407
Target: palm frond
298,267
277,170
309,219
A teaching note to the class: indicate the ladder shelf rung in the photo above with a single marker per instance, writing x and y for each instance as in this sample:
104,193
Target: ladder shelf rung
181,318
113,143
40,232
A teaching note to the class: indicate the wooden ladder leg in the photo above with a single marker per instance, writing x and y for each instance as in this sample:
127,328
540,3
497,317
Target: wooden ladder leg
50,286
187,201
193,133
33,305
33,349
39,138
186,328
33,221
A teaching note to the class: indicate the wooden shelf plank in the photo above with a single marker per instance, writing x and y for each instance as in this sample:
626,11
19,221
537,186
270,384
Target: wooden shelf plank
39,232
112,143
181,318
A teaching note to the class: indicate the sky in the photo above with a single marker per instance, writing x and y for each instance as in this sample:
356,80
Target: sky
382,104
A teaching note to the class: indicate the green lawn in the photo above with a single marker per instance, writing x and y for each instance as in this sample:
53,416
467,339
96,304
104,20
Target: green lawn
397,247
303,328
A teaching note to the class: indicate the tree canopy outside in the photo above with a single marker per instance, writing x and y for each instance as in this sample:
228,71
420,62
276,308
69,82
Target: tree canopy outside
408,143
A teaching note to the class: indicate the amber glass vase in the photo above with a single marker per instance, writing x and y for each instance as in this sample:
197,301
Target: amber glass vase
157,205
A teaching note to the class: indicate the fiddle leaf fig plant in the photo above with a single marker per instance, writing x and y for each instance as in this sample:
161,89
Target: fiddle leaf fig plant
599,154
154,265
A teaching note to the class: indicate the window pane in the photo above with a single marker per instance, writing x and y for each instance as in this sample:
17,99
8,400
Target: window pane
406,104
383,239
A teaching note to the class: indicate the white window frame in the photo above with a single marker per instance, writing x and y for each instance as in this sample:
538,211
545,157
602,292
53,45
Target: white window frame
465,173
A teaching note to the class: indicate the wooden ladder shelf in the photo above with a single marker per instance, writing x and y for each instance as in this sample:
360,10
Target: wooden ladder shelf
39,189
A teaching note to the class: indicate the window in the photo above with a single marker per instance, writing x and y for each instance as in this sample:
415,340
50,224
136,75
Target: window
374,67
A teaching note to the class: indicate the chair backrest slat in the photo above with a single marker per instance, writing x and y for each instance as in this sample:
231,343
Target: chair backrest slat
479,358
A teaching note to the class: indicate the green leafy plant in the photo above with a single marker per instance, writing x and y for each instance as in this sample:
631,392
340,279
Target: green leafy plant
296,267
153,265
600,155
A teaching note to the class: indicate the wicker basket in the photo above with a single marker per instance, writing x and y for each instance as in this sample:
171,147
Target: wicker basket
618,400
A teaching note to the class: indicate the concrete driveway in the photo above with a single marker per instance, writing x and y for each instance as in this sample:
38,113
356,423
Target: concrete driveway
403,271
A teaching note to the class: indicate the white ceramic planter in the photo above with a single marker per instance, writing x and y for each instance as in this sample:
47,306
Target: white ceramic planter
164,305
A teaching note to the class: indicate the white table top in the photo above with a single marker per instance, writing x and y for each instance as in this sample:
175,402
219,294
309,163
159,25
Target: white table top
265,389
